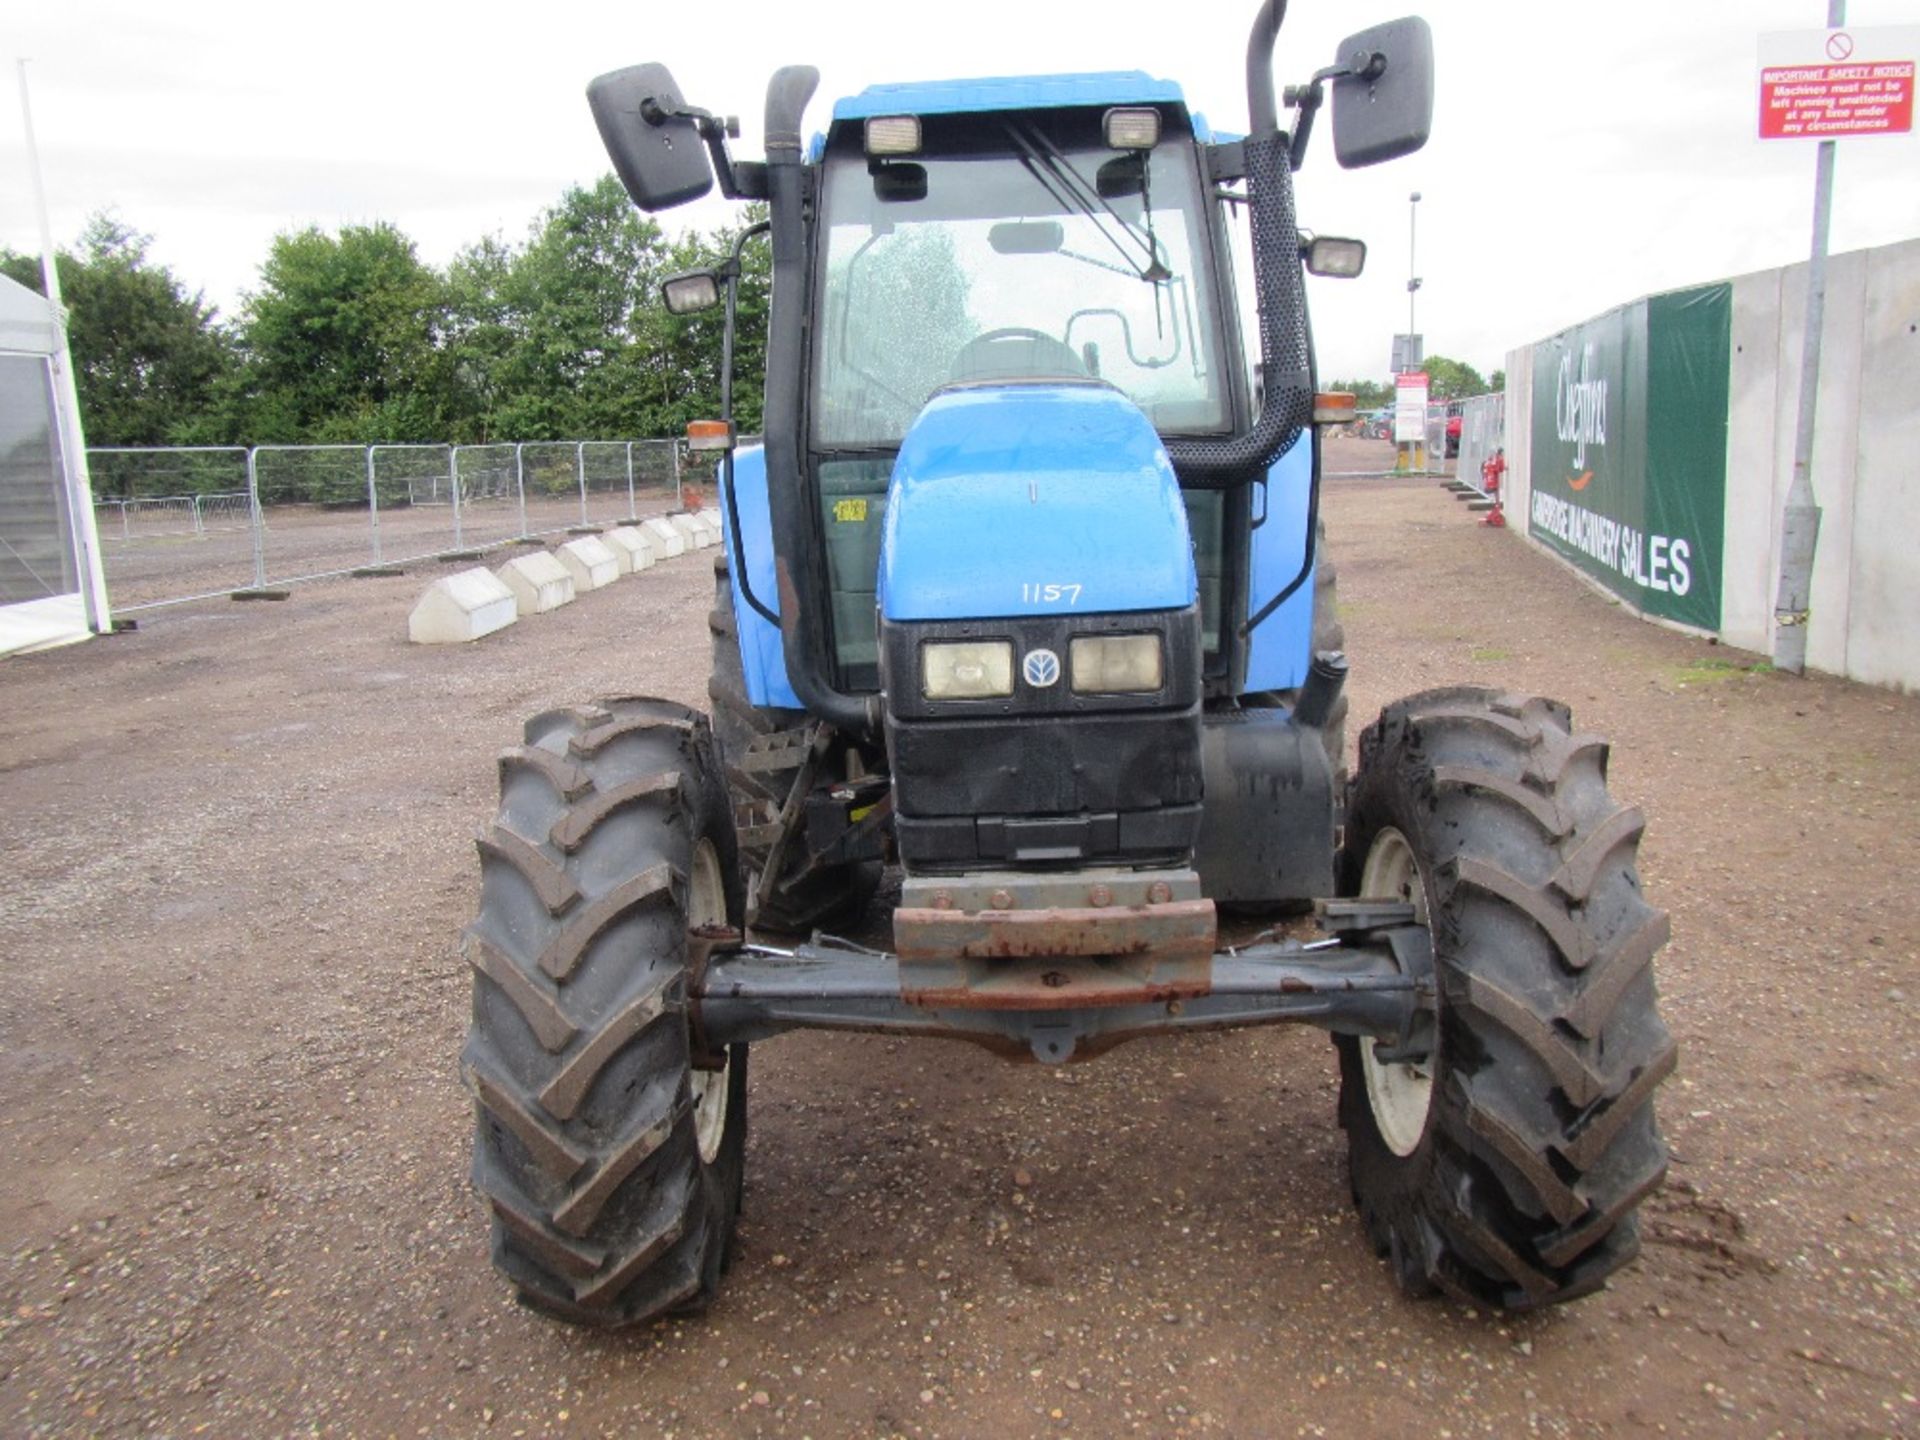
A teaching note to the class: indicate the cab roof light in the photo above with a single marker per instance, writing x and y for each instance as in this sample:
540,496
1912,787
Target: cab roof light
1131,129
893,135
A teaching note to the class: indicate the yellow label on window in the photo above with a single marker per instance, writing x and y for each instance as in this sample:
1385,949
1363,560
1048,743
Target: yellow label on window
850,512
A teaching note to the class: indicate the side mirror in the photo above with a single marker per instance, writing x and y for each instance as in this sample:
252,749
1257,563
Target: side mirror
1383,105
1333,257
691,292
657,152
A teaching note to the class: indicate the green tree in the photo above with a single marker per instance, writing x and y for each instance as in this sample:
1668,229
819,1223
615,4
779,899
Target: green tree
1452,379
148,357
342,341
1497,380
1367,394
577,316
481,332
687,350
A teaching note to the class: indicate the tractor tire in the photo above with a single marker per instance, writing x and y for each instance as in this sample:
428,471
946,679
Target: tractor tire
611,1166
1506,1170
743,729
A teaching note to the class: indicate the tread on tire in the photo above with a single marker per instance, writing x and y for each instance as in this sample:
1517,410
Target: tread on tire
1540,1140
604,1209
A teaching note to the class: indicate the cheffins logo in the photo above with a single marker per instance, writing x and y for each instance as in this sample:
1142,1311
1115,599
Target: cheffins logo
1580,411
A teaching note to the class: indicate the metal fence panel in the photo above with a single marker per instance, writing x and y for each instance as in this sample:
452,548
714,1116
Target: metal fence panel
173,523
410,502
187,523
1482,431
488,495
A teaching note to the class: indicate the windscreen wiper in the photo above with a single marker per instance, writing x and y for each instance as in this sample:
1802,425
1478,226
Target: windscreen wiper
1068,188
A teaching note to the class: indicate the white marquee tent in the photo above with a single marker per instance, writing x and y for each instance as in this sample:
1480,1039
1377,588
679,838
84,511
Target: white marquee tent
51,588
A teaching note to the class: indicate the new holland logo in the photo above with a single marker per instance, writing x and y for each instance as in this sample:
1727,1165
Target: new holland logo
1041,667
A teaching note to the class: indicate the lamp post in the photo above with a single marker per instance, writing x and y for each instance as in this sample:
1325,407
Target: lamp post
1412,453
1413,279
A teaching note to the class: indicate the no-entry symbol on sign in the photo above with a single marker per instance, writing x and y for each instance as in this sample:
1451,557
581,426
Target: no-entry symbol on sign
1824,84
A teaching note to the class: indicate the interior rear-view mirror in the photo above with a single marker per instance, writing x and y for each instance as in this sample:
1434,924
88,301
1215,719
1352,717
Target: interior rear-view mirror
1383,105
1027,237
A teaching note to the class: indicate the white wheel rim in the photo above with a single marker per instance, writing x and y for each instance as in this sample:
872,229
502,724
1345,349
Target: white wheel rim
1400,1095
707,905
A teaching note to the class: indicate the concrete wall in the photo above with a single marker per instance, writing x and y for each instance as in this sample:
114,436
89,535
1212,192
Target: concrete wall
1866,460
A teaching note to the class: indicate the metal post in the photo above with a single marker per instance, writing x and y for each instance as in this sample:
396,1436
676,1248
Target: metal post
1412,453
83,536
632,512
453,487
1413,269
675,444
373,506
580,473
1800,521
520,485
258,522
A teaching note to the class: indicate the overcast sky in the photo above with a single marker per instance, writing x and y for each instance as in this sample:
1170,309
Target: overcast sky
1582,154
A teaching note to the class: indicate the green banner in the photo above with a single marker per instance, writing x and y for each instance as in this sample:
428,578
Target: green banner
1629,469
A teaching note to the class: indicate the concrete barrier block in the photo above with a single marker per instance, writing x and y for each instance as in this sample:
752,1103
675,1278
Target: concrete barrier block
631,548
668,541
462,606
590,561
695,533
710,521
538,582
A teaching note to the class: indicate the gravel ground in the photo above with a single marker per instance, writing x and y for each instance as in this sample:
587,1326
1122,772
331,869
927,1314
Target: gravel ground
235,1198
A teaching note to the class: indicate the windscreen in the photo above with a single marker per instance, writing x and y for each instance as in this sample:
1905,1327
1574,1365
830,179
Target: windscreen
1013,247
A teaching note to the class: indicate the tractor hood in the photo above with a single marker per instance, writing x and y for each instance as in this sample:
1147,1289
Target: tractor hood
1033,499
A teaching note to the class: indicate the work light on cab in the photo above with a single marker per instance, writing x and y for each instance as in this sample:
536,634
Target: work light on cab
970,670
893,135
1131,129
690,293
1334,257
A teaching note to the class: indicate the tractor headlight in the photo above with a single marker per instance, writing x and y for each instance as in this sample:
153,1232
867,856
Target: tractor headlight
1116,664
970,670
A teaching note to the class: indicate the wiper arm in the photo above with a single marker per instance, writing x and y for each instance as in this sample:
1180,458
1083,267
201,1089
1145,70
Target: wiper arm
1069,188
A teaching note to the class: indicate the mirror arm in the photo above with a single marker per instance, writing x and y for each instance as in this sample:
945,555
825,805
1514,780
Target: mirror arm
745,181
1308,99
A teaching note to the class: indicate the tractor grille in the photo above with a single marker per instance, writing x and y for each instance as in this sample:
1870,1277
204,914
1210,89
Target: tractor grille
1046,777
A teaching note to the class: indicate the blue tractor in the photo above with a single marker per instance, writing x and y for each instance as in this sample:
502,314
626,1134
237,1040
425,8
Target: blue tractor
1024,595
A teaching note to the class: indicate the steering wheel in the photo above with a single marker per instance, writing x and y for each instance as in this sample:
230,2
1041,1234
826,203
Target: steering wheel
994,355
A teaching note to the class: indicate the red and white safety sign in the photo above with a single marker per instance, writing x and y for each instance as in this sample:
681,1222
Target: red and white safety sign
1826,84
